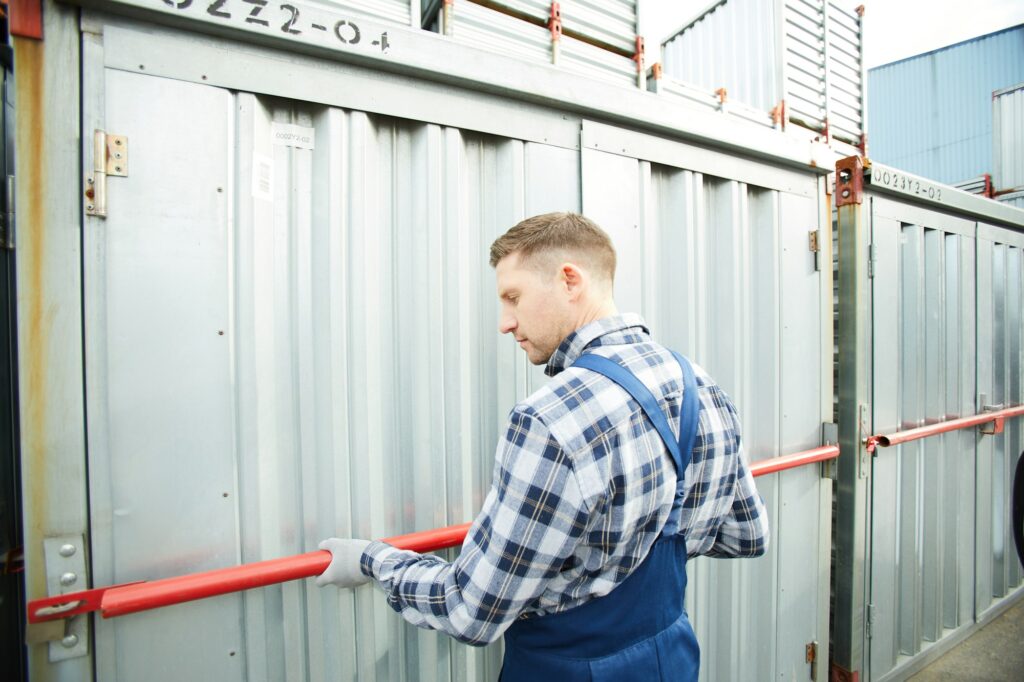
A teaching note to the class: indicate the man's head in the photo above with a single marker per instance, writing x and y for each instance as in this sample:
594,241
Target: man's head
555,274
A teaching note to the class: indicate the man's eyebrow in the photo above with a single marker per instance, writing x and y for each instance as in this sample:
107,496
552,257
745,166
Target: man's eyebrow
507,293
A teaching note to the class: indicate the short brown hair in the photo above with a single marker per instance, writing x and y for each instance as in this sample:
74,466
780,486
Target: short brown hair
550,232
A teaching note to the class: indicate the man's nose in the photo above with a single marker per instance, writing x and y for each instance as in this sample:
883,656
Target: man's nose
506,323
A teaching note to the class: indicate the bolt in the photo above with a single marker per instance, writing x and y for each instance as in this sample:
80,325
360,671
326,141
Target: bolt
117,142
204,77
90,180
69,641
68,579
117,169
90,193
67,550
220,189
846,194
88,207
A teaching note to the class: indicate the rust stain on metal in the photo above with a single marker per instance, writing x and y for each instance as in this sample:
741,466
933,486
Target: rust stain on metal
30,81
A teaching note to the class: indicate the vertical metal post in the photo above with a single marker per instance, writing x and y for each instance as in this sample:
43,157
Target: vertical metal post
854,343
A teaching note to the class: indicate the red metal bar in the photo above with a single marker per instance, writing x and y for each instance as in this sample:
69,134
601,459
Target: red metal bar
122,599
770,466
887,440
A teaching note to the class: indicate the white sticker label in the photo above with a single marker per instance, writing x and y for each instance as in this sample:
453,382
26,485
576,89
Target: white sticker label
292,135
262,177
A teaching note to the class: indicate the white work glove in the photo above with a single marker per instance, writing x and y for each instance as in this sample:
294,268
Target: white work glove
344,570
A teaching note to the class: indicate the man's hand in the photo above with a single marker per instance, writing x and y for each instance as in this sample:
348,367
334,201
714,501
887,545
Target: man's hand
344,570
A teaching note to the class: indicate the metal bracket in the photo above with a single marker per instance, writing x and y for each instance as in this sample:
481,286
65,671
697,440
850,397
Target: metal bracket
109,158
811,657
849,181
864,457
830,436
64,558
994,427
7,218
814,246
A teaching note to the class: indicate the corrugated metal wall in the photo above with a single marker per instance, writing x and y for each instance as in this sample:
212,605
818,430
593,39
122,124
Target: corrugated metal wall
735,46
1008,138
947,331
1000,378
923,492
284,344
319,359
810,56
490,29
720,268
930,115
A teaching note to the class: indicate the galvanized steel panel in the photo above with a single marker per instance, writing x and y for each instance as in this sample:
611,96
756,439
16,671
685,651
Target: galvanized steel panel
314,354
492,30
1008,139
939,513
809,56
729,47
735,255
1001,340
950,137
611,22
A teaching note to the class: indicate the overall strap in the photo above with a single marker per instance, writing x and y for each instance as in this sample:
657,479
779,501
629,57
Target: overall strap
680,450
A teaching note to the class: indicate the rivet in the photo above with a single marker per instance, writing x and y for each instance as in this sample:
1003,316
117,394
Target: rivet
89,180
67,550
88,206
117,142
68,578
117,169
69,641
846,194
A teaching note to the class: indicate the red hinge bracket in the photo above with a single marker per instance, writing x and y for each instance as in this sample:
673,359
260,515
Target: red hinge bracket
849,181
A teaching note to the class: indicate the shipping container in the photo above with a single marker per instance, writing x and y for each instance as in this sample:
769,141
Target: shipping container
255,311
931,114
930,330
798,61
1008,139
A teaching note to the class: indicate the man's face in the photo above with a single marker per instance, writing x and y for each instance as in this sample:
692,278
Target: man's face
534,308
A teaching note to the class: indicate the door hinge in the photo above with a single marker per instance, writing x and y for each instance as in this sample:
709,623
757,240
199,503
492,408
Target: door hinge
811,656
109,157
869,624
65,563
871,261
814,246
7,217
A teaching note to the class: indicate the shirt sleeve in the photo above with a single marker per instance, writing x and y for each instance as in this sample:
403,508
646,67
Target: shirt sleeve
531,523
743,531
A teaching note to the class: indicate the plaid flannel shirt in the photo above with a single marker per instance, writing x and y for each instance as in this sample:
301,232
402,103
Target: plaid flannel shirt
582,487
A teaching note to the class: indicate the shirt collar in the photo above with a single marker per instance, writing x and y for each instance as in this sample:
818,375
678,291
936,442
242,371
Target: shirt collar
616,329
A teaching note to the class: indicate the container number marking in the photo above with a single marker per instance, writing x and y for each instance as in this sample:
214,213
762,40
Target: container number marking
257,13
908,185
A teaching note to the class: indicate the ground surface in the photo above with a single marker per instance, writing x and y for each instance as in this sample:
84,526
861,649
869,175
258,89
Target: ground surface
993,654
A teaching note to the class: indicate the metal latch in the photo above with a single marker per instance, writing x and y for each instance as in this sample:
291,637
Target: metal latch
109,157
64,558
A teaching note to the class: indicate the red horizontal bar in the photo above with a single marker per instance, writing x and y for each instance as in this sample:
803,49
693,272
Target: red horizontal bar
122,599
770,466
887,440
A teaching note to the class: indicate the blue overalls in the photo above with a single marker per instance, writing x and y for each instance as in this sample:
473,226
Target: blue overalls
639,630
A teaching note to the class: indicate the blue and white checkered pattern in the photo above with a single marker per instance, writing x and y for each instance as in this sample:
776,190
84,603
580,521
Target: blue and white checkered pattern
583,486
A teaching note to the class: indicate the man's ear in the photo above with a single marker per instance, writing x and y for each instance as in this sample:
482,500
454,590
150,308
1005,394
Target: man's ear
574,278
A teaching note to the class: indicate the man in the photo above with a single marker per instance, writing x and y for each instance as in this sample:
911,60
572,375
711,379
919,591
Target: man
578,555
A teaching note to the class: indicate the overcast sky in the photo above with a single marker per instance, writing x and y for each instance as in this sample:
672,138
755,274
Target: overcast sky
893,29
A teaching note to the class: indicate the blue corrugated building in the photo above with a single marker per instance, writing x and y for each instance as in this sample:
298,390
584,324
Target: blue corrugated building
931,114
